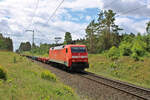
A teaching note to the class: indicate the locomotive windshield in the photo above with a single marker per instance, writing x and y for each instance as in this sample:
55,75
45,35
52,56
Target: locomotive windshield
78,49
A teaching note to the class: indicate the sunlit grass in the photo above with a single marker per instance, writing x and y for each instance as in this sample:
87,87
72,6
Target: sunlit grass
125,69
24,81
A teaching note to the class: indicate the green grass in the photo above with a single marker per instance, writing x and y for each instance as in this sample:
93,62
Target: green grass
24,81
35,54
124,69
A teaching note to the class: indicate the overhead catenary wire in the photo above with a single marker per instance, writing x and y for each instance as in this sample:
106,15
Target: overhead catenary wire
125,12
111,3
51,16
131,10
35,11
34,14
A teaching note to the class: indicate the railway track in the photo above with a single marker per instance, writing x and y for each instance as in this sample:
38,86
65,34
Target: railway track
130,89
139,92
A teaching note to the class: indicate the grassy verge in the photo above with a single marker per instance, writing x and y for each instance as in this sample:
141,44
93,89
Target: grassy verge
124,69
35,54
28,81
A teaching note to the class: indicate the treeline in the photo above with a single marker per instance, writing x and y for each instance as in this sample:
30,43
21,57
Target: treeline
40,50
6,43
104,36
24,46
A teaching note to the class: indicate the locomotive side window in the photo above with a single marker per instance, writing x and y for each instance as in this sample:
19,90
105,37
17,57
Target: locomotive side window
66,50
78,49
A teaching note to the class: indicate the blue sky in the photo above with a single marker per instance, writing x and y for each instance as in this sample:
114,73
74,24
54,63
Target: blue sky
82,16
16,16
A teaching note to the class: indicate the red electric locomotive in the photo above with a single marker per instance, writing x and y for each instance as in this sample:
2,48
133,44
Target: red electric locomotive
74,57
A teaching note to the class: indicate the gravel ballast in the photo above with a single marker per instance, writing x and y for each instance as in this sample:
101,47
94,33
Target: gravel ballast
88,89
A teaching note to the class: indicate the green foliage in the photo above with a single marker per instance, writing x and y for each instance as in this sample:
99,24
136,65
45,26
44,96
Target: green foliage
102,34
148,27
146,39
113,53
24,81
43,49
68,38
113,65
66,90
125,49
6,43
3,73
91,37
138,49
48,75
133,46
25,46
135,56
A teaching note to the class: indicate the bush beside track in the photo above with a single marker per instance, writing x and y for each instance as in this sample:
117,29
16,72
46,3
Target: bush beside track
24,81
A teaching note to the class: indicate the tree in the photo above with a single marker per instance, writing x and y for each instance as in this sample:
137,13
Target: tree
28,46
91,37
68,38
25,46
107,30
148,27
6,43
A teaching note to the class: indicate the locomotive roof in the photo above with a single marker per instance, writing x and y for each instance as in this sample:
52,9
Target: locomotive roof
64,46
71,45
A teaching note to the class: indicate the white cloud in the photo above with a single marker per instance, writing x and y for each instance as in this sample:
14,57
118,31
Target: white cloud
130,25
82,4
128,7
16,16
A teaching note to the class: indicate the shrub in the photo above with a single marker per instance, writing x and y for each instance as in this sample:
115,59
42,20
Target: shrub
68,90
3,73
139,48
135,57
113,53
125,49
65,90
48,75
113,65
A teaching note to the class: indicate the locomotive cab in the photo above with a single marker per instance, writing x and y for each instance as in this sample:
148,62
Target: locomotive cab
79,57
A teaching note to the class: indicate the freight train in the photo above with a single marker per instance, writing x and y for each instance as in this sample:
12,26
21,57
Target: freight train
71,57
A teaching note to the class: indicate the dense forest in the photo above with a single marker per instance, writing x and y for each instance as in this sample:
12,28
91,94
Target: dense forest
6,43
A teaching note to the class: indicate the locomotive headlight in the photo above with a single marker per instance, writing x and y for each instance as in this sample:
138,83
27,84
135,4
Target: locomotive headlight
75,56
84,57
79,56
